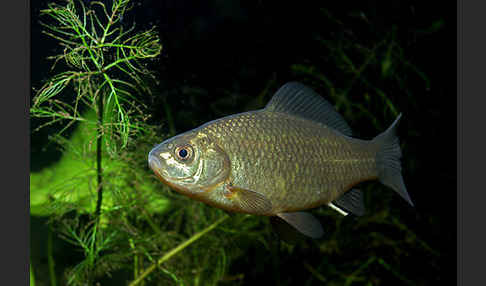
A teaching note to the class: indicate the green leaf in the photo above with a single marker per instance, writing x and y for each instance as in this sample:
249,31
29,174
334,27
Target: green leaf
71,182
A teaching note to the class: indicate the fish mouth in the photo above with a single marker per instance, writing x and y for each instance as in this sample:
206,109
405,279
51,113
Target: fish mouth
158,168
155,165
189,185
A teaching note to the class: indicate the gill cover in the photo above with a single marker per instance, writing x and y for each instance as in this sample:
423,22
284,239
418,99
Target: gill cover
190,163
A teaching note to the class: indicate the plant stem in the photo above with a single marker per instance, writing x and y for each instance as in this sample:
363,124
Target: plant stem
315,273
50,259
170,119
176,250
32,278
99,142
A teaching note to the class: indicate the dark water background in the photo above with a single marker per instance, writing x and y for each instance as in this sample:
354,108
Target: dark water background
230,50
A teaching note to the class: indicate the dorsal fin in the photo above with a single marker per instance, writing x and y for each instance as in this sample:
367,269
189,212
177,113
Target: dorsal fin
297,99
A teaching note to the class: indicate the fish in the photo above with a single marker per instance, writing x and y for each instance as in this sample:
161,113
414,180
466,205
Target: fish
295,154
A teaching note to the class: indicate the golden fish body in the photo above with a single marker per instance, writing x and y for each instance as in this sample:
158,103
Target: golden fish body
295,154
296,163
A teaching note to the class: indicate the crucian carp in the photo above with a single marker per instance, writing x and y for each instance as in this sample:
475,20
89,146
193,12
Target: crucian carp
295,154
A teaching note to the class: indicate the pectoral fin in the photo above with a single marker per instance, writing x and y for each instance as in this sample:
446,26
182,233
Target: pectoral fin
248,201
303,222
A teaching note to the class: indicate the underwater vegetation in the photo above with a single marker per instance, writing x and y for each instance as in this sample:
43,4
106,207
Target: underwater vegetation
100,216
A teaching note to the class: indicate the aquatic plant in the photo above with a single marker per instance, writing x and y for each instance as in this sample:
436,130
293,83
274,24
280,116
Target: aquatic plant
105,65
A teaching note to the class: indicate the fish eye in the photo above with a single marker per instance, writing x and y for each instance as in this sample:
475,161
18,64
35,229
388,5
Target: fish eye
184,152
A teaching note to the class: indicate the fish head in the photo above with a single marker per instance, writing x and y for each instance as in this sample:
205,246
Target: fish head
190,163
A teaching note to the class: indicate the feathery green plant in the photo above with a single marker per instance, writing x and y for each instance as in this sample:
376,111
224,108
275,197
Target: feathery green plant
106,67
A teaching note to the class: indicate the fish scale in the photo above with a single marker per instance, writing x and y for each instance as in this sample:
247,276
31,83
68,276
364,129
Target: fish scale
329,163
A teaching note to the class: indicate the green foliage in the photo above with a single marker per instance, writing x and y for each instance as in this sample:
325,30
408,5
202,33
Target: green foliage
70,184
31,274
361,70
107,68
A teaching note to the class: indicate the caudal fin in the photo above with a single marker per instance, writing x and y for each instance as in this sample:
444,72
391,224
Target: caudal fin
388,160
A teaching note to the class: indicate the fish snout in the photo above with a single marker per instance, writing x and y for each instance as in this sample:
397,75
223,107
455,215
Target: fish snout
154,163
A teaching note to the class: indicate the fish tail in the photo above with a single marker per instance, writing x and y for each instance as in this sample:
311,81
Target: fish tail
388,160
